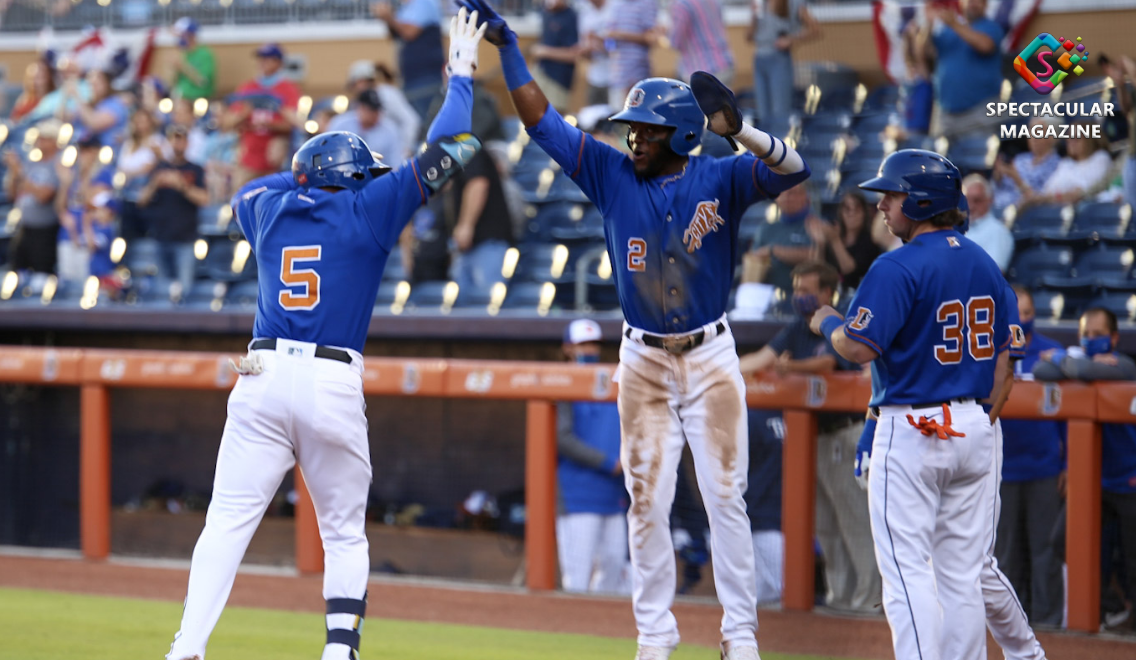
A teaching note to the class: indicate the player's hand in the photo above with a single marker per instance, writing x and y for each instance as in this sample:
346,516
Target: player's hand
717,102
382,11
820,315
463,237
783,43
464,38
864,452
784,363
498,33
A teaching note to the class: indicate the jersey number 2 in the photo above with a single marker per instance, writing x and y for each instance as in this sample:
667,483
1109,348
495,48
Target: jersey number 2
306,294
636,255
977,317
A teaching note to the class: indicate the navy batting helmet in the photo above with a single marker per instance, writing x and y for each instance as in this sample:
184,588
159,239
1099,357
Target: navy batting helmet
666,102
338,159
932,183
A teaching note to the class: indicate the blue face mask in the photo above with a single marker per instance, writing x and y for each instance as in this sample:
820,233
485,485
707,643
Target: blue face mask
587,359
1097,345
1027,326
805,305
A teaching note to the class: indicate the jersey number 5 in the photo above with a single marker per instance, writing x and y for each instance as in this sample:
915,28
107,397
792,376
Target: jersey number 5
976,319
307,281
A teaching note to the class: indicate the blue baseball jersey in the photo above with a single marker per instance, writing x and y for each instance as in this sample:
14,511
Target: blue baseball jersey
320,255
1017,334
1032,448
936,312
672,240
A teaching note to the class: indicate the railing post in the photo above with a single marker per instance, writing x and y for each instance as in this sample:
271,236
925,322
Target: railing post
1083,525
540,495
309,547
798,509
94,471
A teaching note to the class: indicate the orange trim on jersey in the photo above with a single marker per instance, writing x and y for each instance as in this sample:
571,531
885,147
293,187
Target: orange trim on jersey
863,340
579,156
753,175
414,165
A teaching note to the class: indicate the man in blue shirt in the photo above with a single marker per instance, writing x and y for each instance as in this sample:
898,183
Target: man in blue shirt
417,24
557,52
366,119
1033,484
968,72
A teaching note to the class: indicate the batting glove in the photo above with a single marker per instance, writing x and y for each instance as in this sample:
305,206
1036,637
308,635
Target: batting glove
864,452
464,37
717,102
499,34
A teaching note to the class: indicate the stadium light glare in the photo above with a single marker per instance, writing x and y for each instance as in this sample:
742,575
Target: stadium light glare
3,133
200,107
559,260
65,133
547,295
200,249
118,180
604,269
311,126
117,249
14,217
166,106
509,265
449,296
70,155
339,105
49,289
31,135
35,155
241,255
106,155
11,281
304,106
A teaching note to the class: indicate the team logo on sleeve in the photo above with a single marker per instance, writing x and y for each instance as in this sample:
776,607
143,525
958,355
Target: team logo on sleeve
705,220
1017,337
862,319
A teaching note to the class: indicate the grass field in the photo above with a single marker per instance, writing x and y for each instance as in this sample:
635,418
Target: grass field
40,625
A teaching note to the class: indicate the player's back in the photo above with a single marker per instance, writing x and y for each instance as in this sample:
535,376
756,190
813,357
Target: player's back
319,267
952,306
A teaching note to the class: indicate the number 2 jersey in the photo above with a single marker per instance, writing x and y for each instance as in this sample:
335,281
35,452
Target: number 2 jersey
672,241
937,310
320,255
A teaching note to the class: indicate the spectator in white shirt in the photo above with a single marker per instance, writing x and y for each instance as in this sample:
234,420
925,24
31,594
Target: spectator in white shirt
1085,166
367,121
594,16
987,229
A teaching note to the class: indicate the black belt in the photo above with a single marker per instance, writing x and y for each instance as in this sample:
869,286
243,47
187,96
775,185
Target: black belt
321,351
677,344
933,404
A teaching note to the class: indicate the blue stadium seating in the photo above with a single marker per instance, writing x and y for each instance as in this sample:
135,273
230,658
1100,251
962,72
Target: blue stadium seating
882,99
1049,304
387,293
1121,303
394,269
242,294
1077,292
524,295
1111,263
428,296
1042,222
536,263
474,297
1104,221
1030,265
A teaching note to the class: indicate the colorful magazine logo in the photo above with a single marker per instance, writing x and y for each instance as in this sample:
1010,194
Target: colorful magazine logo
1044,44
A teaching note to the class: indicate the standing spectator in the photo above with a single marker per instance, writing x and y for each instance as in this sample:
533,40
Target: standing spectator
1098,360
1033,485
987,229
38,83
368,120
102,113
32,184
847,244
968,72
140,154
172,199
591,530
102,216
630,34
699,36
264,114
594,19
482,228
184,116
364,75
1126,100
420,58
917,93
194,72
843,528
557,52
222,149
1023,178
1086,166
781,245
78,186
775,27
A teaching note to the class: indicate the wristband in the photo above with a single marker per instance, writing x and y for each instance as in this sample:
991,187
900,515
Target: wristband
829,326
514,67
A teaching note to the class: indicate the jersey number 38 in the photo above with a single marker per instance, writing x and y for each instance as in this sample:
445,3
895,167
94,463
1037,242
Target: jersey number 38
969,326
303,284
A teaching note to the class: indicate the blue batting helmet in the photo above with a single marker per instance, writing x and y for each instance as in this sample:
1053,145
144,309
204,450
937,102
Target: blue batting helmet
666,102
338,159
932,183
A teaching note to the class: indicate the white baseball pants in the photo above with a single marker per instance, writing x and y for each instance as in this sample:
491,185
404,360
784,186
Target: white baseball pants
929,511
665,401
593,552
300,409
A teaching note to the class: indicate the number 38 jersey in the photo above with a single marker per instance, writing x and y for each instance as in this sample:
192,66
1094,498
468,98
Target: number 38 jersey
320,255
938,313
672,241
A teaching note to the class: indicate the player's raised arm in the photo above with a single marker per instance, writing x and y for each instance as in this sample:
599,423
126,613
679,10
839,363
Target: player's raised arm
243,201
527,96
454,118
784,167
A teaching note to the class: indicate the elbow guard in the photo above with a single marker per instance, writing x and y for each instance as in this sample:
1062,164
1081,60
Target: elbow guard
445,158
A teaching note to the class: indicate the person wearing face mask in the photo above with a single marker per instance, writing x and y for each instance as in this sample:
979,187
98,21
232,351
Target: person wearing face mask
1097,359
842,524
1033,486
591,528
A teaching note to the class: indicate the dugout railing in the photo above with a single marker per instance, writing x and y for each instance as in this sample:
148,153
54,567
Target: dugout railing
98,372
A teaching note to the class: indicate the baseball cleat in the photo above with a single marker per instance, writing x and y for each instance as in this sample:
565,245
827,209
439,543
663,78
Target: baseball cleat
654,652
739,653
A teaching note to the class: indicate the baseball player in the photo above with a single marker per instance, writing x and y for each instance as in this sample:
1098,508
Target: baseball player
321,237
671,223
1005,616
933,319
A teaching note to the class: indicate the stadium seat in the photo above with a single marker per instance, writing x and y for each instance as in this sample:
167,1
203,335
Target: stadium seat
1050,305
882,99
1040,222
1076,292
205,292
474,298
871,124
242,295
393,269
141,257
1121,303
389,291
971,154
545,262
221,259
1112,263
1030,265
1104,221
528,295
432,296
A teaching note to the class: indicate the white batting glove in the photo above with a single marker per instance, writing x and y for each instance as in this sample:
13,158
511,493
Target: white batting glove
464,38
863,462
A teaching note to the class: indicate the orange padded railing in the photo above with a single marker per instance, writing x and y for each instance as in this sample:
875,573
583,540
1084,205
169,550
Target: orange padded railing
541,384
